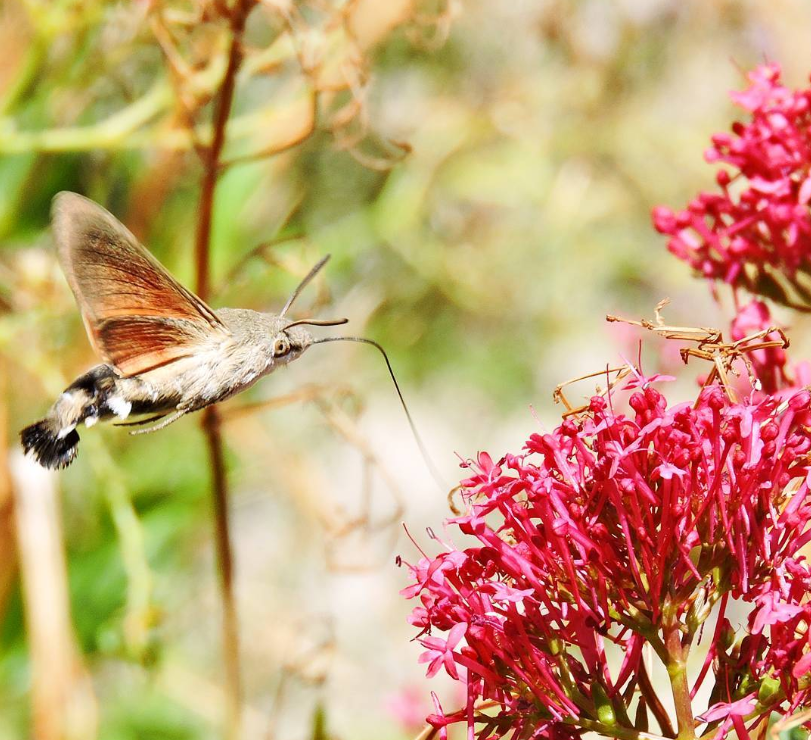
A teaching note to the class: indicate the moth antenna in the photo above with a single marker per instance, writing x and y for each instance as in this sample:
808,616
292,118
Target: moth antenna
318,322
429,463
303,284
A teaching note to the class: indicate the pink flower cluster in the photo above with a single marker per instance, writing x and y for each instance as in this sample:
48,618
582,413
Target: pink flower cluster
759,223
626,530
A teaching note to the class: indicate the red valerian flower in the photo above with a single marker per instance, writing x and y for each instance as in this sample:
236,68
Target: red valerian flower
732,713
626,531
440,652
757,229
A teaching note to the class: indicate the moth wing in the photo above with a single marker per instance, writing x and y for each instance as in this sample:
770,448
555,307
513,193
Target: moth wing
137,316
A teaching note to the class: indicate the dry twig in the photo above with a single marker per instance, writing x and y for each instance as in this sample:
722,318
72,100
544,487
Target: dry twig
710,346
211,418
559,396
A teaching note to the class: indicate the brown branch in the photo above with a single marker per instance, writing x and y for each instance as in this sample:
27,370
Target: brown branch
211,166
230,627
211,419
558,396
291,143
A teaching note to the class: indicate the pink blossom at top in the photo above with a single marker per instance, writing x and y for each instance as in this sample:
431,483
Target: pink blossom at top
607,532
759,223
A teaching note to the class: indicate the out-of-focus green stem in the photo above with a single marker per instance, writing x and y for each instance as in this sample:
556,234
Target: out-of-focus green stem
131,541
127,128
34,56
114,132
100,136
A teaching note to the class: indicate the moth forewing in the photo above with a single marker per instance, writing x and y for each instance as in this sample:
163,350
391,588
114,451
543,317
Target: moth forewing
136,314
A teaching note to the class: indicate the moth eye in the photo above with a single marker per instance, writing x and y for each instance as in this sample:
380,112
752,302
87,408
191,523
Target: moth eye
281,346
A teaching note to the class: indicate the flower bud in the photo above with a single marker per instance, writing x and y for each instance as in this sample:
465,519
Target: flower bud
602,704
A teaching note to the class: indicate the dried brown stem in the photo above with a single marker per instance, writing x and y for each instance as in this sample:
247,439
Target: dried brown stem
306,393
230,627
211,164
560,397
710,345
211,419
278,148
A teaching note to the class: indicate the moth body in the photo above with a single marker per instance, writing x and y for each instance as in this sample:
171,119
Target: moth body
165,352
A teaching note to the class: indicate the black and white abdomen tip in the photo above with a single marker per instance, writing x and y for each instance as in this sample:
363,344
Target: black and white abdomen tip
52,448
53,441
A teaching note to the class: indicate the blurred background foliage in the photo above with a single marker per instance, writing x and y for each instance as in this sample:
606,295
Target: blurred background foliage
482,173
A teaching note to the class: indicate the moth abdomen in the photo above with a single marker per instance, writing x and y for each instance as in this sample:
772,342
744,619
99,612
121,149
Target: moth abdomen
51,448
54,440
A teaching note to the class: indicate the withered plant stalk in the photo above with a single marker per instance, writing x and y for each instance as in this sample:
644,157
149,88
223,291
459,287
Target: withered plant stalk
211,419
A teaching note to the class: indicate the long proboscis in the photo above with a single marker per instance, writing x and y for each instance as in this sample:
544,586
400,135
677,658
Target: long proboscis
429,463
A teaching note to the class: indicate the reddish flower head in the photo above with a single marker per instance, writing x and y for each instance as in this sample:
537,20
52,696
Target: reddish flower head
625,530
759,225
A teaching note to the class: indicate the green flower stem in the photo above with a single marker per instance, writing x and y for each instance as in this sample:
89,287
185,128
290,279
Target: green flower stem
128,128
624,733
140,613
636,621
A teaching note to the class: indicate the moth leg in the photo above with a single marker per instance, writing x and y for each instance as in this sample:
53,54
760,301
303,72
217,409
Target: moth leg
163,424
140,422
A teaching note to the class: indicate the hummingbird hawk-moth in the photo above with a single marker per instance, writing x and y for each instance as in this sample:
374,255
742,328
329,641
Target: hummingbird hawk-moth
164,352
